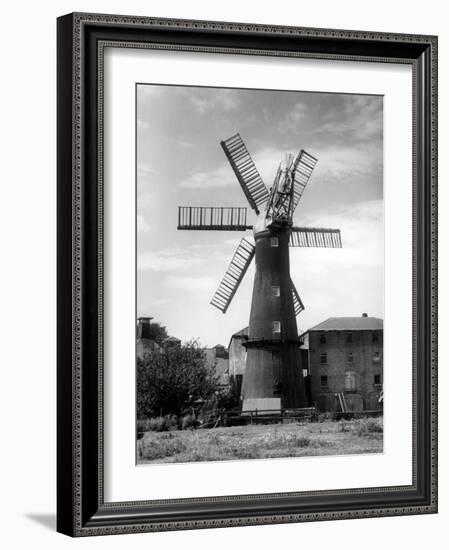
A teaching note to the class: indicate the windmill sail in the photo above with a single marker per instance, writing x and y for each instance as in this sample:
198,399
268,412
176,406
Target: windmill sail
316,237
297,302
234,274
230,218
246,171
302,170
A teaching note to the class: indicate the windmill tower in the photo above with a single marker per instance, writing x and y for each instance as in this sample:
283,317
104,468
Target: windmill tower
273,374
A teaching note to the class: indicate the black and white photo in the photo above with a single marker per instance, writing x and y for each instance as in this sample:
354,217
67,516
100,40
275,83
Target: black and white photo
260,273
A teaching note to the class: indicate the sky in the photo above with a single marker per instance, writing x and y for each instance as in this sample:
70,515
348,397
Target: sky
180,163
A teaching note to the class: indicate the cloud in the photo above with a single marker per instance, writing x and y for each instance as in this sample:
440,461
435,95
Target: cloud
166,260
144,200
339,162
343,281
296,115
145,91
205,101
192,283
232,242
144,172
266,160
142,125
362,235
220,177
359,119
142,225
185,144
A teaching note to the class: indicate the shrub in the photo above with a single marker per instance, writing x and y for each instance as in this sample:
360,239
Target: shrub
188,421
143,425
367,426
343,426
375,425
168,379
158,424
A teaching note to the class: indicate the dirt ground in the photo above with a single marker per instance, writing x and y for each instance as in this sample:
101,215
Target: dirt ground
263,441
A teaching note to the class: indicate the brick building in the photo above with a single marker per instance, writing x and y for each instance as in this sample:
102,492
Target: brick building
346,363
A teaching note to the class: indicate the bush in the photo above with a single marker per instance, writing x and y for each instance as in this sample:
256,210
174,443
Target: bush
158,424
302,441
168,379
188,421
143,425
343,426
367,426
375,425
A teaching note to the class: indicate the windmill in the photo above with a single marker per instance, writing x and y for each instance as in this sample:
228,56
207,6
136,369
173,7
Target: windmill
273,373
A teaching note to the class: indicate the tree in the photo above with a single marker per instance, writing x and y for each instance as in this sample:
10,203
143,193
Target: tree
167,379
158,332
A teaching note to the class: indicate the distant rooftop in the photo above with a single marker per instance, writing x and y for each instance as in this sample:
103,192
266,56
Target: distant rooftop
350,323
243,332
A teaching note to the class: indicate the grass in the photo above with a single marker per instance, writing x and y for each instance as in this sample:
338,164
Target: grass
263,441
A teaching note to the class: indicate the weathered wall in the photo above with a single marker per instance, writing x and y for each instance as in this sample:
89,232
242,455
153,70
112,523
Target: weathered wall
221,365
237,356
364,366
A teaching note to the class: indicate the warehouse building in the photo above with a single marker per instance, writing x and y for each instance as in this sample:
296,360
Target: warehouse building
346,363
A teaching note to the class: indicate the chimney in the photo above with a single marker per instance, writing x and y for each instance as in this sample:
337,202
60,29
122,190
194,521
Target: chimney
364,314
143,328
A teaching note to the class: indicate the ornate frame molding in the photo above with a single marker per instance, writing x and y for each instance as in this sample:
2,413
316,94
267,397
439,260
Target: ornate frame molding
81,41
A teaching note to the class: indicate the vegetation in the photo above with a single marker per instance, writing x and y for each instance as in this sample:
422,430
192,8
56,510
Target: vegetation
263,441
170,379
158,332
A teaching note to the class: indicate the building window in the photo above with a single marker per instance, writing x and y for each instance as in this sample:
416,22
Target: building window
376,357
276,327
350,357
274,242
377,379
275,291
375,337
323,381
350,381
323,358
322,338
349,338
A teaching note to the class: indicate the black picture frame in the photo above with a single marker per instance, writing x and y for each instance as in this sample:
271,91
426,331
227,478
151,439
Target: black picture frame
81,509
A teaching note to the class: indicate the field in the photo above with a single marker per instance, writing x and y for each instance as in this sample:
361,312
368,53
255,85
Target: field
263,441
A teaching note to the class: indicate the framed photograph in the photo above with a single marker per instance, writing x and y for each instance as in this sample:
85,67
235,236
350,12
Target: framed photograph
247,274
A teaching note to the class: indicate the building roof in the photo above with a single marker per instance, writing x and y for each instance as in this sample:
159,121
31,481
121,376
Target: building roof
350,323
243,332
